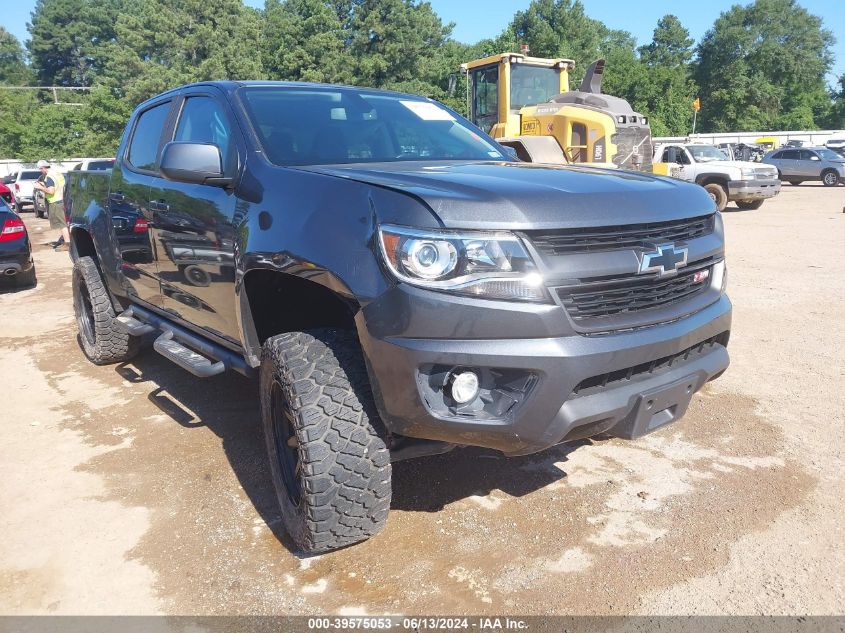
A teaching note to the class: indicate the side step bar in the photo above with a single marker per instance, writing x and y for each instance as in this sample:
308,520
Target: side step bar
190,351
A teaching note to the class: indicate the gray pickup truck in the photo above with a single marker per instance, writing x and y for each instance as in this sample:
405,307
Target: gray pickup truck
397,282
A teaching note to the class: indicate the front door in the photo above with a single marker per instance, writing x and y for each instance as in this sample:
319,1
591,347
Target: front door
193,225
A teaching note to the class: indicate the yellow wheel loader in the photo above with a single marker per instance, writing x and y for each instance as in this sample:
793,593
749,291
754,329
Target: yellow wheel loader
525,103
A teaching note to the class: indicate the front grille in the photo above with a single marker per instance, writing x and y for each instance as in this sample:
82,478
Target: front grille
647,370
605,238
765,174
611,296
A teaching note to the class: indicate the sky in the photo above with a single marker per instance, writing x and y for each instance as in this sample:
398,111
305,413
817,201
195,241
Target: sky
477,19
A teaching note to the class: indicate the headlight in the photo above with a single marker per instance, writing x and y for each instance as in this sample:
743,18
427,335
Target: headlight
485,265
747,173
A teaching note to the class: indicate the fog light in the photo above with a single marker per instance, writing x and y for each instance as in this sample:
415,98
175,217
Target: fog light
464,386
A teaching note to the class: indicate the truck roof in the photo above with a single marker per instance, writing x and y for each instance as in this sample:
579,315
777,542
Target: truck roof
231,85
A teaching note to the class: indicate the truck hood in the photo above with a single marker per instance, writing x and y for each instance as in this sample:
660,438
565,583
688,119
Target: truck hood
500,195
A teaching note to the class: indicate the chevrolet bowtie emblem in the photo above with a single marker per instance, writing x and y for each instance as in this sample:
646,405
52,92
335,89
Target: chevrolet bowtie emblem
665,260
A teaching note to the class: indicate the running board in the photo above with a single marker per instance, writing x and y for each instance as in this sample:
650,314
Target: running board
133,326
192,352
186,358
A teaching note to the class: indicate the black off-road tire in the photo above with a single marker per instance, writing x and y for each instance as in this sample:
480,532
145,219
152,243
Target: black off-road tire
718,193
749,205
830,178
100,337
328,457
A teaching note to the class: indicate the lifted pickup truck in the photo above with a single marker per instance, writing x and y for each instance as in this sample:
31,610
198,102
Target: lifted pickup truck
399,285
746,183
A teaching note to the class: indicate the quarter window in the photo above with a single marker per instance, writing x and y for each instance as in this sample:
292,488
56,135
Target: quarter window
143,150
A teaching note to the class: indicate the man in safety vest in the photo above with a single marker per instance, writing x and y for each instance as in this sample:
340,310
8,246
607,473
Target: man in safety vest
53,186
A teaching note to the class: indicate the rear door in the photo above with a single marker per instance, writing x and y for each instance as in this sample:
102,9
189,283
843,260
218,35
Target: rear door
129,196
194,225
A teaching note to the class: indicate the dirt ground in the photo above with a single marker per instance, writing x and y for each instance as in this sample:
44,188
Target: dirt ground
137,489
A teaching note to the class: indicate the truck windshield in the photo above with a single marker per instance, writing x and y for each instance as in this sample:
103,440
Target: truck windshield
320,126
706,153
531,85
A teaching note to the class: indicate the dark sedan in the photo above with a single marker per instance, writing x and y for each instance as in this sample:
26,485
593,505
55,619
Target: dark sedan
15,250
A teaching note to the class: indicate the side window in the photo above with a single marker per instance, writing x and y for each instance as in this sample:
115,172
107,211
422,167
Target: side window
204,121
143,149
778,155
808,155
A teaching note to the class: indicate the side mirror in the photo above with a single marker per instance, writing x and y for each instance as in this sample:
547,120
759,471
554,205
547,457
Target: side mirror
195,163
814,157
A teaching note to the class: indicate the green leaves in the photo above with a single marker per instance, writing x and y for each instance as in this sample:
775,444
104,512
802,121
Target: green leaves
762,66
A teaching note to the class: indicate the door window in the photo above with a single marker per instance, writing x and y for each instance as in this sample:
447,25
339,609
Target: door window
143,149
808,155
485,106
204,121
790,154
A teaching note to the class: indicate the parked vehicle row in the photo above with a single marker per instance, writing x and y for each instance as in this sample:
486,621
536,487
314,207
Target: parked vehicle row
797,165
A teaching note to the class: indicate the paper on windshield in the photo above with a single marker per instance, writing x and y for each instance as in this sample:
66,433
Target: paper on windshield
428,111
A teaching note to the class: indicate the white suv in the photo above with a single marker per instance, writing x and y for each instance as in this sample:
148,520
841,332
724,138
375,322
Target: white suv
23,188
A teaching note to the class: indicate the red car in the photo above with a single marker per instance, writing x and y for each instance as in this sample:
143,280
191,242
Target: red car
6,194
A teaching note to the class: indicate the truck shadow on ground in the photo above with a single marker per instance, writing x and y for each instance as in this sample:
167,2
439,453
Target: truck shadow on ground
228,406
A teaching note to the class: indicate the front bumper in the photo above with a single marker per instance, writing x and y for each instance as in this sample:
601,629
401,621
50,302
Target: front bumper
753,189
572,385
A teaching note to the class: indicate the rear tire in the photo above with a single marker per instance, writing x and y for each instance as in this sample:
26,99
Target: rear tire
830,178
749,205
27,279
328,457
718,193
100,337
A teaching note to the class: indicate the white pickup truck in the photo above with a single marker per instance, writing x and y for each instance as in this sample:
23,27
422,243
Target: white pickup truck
748,184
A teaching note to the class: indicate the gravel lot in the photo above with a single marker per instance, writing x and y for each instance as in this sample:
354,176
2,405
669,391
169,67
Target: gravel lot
136,489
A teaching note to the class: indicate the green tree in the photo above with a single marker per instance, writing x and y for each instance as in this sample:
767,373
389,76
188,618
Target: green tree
394,44
665,91
836,118
67,37
305,40
13,69
670,46
762,67
161,44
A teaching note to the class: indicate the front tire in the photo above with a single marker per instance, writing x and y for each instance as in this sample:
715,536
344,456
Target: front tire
719,195
100,337
749,205
328,457
830,178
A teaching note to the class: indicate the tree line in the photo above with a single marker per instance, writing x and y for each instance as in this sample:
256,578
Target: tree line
761,66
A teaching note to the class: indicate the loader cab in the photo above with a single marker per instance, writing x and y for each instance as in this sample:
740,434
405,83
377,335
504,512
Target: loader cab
499,86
